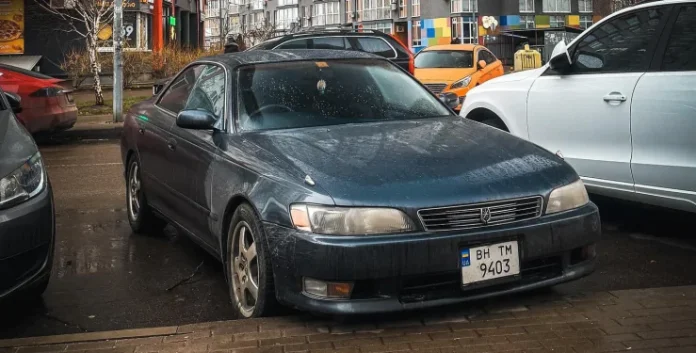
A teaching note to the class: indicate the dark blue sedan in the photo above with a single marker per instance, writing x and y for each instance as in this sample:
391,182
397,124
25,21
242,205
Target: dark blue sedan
334,182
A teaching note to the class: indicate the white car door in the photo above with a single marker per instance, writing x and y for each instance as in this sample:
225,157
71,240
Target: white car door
585,111
663,119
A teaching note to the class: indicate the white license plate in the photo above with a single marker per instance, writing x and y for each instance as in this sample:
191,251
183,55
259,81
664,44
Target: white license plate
488,262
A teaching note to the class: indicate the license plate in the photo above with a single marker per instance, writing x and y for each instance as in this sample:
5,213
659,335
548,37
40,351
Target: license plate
489,262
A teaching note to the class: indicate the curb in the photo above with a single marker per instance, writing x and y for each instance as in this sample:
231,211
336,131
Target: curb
89,336
80,135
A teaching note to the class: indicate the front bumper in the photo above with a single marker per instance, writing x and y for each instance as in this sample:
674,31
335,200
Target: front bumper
402,272
27,238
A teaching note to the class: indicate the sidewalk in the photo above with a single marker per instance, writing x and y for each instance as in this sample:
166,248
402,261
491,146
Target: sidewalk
661,320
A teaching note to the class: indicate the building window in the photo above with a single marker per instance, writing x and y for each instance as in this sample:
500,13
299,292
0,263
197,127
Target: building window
403,8
585,21
256,21
416,8
284,18
233,25
306,15
372,10
556,5
287,2
385,27
527,21
464,6
326,14
213,9
349,11
526,5
557,21
585,5
416,36
256,4
464,31
233,8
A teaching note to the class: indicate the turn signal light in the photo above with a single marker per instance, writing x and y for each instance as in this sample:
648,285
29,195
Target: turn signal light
333,290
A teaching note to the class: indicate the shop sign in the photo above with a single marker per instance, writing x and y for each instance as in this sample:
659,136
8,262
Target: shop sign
11,27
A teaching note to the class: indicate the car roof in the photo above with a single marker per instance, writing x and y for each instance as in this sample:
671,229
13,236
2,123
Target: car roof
462,47
276,56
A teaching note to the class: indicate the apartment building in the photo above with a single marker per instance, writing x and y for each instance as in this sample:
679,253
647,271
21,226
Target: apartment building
418,23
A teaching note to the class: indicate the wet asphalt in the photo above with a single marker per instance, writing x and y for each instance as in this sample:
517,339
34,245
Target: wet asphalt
106,278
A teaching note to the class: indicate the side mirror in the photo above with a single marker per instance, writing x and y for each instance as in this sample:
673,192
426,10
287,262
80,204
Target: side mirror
560,57
482,64
195,119
15,102
450,99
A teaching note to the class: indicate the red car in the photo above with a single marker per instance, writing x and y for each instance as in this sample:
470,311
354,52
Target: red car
46,105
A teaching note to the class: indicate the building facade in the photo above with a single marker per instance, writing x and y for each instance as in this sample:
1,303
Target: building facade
418,23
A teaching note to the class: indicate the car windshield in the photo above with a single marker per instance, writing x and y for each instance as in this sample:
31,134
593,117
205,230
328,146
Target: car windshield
440,59
318,93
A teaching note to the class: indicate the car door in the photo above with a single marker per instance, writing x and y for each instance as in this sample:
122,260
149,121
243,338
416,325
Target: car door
154,142
194,152
585,112
663,118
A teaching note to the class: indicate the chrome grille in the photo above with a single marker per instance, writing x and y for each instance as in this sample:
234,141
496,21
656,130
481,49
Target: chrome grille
435,87
472,216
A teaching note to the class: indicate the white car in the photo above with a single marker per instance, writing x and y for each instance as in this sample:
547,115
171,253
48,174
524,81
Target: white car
618,103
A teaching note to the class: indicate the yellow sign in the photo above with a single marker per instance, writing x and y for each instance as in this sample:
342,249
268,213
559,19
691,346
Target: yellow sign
12,27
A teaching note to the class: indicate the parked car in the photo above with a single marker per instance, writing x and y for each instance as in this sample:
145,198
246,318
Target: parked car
456,68
367,41
617,103
47,106
319,186
27,227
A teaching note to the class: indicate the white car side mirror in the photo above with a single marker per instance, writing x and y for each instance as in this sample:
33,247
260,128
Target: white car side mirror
560,57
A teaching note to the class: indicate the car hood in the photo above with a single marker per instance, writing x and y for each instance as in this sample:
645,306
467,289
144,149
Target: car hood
517,76
442,75
16,145
416,163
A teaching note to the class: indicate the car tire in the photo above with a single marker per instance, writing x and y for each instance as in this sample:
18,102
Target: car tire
249,266
140,216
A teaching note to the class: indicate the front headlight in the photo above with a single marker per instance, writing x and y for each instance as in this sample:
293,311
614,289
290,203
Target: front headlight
349,221
461,83
24,183
567,197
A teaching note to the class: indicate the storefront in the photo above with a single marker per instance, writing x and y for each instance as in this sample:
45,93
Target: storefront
35,39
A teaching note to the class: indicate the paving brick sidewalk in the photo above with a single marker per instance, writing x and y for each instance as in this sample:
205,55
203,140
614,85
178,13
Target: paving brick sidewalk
659,320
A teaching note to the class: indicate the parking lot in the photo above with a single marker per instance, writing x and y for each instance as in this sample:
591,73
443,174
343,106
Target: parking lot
106,278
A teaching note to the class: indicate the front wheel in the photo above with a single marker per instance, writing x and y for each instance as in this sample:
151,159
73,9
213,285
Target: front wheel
140,215
249,271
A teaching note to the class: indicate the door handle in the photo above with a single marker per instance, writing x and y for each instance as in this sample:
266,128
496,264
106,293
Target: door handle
171,144
615,97
141,131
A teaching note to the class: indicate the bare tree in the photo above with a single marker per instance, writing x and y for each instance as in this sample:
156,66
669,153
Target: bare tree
86,18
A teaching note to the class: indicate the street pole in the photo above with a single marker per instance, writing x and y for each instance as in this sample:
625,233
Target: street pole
118,64
355,15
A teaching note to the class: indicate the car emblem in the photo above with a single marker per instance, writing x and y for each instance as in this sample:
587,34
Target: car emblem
485,215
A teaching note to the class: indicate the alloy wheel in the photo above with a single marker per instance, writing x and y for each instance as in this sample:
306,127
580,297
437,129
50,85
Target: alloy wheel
134,191
244,268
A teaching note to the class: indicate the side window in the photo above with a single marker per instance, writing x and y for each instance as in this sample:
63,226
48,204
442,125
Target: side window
619,45
328,43
376,46
681,48
486,56
294,44
174,99
209,92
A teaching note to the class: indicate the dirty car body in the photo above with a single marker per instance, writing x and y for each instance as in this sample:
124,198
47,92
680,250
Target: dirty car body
358,200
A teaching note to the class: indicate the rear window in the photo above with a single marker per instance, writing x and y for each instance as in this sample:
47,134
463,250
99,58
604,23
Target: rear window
318,93
440,59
